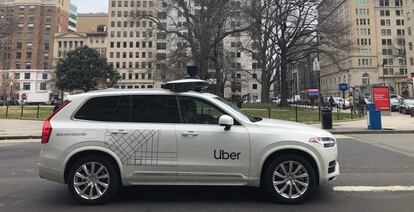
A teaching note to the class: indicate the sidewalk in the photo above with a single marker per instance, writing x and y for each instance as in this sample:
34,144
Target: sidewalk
20,129
396,123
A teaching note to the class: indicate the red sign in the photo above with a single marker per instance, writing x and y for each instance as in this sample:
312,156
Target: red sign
381,98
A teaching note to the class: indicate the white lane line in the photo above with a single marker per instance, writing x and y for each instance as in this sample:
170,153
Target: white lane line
372,188
342,136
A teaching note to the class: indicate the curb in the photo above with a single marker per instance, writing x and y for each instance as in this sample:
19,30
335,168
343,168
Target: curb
20,137
372,132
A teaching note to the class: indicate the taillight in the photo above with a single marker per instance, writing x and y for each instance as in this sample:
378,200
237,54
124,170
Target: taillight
47,127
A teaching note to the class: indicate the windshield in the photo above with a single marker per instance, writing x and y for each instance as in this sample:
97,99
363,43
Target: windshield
409,101
251,118
393,100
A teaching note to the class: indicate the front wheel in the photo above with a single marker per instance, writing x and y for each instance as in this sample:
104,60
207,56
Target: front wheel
93,180
289,179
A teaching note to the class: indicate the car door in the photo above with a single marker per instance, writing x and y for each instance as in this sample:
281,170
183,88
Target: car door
146,143
206,152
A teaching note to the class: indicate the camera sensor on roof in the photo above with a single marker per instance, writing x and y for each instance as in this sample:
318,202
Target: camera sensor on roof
191,82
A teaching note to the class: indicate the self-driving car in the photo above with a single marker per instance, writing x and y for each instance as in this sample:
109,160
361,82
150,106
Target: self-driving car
99,141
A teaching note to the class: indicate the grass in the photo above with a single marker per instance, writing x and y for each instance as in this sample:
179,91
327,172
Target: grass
305,115
29,112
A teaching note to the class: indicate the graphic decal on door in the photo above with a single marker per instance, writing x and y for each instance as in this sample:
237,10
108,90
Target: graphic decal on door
140,148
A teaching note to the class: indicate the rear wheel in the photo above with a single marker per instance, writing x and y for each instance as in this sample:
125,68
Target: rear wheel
289,179
93,180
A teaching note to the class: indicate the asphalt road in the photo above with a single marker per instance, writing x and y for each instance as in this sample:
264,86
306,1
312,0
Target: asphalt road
371,160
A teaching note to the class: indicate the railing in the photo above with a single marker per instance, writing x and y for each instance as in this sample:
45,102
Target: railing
37,112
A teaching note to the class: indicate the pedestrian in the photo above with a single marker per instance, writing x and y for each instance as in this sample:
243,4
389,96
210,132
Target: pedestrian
57,104
362,104
351,102
331,101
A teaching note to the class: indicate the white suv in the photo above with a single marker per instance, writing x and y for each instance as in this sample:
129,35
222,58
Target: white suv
99,141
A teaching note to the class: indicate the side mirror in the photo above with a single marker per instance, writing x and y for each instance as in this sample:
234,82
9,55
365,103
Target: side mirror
226,121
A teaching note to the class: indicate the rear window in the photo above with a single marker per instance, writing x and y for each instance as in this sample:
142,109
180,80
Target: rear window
136,108
112,108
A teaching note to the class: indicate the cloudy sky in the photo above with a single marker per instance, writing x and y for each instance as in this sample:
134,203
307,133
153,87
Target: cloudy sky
91,6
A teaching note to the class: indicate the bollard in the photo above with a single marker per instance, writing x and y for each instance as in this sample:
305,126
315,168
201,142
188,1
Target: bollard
37,114
337,113
7,111
21,112
296,112
268,113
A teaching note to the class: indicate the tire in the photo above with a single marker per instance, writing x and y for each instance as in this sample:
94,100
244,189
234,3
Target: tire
289,188
106,173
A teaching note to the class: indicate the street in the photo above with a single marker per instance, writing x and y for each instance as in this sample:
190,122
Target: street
383,162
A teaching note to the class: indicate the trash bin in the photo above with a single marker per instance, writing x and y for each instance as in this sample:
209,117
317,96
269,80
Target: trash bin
374,118
326,118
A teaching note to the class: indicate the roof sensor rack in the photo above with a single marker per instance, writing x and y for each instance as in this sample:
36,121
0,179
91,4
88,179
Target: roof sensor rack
186,85
191,82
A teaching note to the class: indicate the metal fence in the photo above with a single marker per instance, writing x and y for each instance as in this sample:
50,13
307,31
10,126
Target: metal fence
38,112
298,113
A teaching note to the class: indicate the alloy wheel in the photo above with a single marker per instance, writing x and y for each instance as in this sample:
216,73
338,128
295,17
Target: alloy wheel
290,179
91,180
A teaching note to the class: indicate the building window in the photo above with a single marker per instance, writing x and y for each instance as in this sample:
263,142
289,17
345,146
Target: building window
26,75
44,76
16,76
43,86
26,86
254,86
384,3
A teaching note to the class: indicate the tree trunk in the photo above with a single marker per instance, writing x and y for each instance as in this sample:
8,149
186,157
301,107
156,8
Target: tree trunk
283,80
266,77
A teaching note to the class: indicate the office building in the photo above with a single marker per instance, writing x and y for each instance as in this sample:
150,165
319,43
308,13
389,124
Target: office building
27,59
377,57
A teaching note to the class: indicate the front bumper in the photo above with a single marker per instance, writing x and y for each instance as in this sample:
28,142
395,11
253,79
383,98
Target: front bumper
332,174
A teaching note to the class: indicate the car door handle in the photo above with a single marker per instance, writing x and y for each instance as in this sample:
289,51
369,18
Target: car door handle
189,133
119,132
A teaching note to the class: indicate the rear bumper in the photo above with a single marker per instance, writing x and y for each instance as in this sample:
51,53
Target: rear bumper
50,174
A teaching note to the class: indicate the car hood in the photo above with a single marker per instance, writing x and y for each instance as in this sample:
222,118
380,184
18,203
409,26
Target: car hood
289,126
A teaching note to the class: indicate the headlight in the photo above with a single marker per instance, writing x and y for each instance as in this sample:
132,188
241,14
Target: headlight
324,141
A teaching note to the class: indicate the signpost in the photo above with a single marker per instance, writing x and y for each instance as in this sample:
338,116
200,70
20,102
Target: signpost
343,87
381,97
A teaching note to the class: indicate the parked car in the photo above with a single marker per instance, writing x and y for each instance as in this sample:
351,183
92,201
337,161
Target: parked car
99,141
395,104
340,102
406,106
396,96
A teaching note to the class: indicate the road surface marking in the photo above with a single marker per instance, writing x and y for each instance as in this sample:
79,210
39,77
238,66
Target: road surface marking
372,188
342,136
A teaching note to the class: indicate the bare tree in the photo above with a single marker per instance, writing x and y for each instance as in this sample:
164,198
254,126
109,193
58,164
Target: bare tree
201,25
286,31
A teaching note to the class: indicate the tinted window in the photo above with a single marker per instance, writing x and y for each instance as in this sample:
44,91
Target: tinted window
155,109
112,108
198,111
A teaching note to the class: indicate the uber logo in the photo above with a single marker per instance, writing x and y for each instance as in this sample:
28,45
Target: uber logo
223,155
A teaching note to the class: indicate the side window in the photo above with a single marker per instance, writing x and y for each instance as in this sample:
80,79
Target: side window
155,109
198,111
112,108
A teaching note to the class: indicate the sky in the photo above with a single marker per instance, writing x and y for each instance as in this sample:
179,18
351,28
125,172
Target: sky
91,6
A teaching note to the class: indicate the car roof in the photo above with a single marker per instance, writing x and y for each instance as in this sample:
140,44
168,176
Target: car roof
149,91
